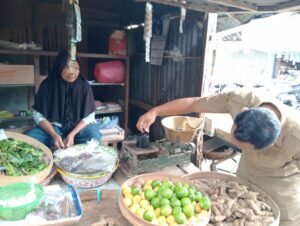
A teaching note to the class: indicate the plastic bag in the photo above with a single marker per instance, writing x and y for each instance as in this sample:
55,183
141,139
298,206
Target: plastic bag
110,72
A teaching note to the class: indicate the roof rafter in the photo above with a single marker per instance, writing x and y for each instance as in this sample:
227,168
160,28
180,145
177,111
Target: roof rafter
236,4
288,6
188,5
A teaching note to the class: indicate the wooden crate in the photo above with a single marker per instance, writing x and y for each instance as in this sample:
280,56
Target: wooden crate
17,74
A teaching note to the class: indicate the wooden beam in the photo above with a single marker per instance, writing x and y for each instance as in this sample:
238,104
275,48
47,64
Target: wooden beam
236,4
140,104
232,16
288,6
189,5
284,7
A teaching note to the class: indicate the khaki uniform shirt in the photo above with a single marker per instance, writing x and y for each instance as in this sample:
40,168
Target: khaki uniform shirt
275,169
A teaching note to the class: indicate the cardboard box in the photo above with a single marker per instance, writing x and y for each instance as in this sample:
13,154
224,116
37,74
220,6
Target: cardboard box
16,74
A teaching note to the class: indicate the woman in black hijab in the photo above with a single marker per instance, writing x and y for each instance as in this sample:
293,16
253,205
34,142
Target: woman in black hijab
64,108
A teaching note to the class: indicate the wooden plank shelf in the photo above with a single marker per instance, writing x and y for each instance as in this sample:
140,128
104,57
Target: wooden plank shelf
54,53
16,119
106,84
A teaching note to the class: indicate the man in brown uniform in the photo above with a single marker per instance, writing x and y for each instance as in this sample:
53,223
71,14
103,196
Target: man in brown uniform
276,167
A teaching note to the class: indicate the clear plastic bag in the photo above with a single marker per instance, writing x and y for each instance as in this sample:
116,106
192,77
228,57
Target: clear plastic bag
89,159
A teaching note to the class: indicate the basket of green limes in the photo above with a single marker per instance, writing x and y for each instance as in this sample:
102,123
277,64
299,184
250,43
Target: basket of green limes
163,199
18,199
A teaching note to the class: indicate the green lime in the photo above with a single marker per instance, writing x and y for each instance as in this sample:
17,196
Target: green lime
181,192
186,185
167,193
205,203
174,197
175,202
149,194
164,202
178,184
180,218
176,210
159,195
148,215
155,183
192,195
155,202
167,184
185,201
198,196
188,210
135,190
172,187
165,210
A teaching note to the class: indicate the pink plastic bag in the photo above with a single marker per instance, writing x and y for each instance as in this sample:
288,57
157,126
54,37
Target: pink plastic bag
110,72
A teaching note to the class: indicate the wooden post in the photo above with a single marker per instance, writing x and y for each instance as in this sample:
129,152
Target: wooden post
36,62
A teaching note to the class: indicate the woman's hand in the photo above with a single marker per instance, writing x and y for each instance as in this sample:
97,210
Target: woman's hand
58,142
146,120
69,140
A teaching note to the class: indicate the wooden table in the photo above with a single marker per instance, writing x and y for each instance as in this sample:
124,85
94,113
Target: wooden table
108,207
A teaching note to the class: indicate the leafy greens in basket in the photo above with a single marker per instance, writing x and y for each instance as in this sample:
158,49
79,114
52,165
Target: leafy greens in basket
20,158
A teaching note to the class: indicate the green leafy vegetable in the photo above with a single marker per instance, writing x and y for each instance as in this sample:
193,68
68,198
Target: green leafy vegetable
20,158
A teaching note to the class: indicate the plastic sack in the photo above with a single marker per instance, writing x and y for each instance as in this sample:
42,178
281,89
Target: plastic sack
110,72
108,122
57,204
86,158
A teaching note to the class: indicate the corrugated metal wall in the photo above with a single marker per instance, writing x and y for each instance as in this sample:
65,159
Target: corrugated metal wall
178,76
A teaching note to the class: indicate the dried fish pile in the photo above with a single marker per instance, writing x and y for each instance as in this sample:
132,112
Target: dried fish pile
234,204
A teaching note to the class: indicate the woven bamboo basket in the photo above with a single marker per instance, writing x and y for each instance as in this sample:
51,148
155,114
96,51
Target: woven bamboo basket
181,129
36,178
141,179
227,177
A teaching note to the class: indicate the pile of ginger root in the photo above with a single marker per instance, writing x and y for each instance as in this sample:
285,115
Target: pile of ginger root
234,204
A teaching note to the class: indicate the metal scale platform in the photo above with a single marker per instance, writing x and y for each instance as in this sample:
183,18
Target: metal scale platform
158,155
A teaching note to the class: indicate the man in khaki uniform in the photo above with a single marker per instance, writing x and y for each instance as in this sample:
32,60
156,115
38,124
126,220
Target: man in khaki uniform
275,168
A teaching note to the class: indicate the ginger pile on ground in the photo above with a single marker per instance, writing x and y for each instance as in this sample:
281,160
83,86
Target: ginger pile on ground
234,204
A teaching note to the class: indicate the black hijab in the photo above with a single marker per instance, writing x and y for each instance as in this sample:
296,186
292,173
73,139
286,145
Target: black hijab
61,101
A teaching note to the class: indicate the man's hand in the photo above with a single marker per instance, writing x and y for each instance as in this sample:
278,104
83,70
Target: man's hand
58,142
146,120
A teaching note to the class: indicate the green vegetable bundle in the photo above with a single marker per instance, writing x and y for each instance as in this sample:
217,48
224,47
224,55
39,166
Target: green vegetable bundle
20,158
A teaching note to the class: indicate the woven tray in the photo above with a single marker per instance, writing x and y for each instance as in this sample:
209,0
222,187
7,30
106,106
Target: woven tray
226,177
135,220
36,178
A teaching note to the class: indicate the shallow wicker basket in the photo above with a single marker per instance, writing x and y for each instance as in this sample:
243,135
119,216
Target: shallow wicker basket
141,179
226,177
35,178
181,129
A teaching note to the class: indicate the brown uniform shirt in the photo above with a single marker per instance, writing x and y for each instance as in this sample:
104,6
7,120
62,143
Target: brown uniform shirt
275,169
